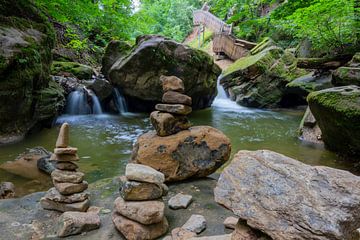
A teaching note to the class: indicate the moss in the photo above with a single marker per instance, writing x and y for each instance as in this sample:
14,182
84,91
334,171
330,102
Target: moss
79,70
204,41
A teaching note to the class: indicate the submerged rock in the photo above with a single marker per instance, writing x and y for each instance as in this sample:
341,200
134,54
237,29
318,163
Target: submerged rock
337,111
138,74
287,199
196,152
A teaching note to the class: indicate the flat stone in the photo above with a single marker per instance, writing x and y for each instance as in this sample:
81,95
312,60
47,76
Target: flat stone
132,190
62,176
63,137
144,212
218,237
72,223
172,83
136,231
180,201
167,124
230,222
70,188
174,108
175,97
69,166
143,173
68,150
64,157
196,224
64,207
181,234
54,195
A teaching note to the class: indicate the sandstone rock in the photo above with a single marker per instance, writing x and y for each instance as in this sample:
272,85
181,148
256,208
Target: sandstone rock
61,176
196,224
175,97
244,232
279,196
181,234
63,137
70,188
136,231
67,150
53,195
144,212
69,166
180,201
174,108
64,157
72,223
172,83
196,152
7,190
143,173
65,207
230,222
131,190
166,124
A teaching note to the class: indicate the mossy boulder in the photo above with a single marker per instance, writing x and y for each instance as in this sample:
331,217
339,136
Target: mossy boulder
260,80
337,111
114,51
26,40
80,71
138,73
348,74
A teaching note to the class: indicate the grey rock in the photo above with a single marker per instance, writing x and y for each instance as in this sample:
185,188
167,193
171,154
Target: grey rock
64,207
230,222
53,195
72,223
180,201
62,176
196,224
132,190
70,188
143,173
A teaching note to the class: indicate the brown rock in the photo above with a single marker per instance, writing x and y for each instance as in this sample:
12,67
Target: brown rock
196,152
70,188
72,223
69,166
172,83
68,150
181,234
244,232
7,190
64,157
62,176
144,212
166,124
54,195
132,190
174,108
136,231
230,222
63,137
175,97
143,173
65,207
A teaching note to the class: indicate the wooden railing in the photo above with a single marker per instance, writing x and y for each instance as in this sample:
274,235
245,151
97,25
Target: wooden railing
210,21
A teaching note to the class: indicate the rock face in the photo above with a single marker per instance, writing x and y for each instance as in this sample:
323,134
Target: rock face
260,80
138,73
337,111
348,74
196,152
28,97
287,199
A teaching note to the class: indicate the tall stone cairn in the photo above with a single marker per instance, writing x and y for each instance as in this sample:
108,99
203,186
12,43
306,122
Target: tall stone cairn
170,117
68,193
139,211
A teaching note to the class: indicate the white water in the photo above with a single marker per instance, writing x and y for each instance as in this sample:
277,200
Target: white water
120,102
96,106
77,103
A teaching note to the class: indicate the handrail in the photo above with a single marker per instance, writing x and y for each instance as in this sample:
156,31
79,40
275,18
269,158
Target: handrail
210,21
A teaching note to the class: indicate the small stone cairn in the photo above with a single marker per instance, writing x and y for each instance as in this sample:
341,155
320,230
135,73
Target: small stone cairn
68,193
139,211
170,116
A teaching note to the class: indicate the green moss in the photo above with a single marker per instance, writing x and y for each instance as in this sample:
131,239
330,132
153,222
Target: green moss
204,41
79,70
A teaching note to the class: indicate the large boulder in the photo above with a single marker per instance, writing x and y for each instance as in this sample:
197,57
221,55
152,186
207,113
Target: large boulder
196,152
287,199
27,94
348,74
260,80
114,51
337,111
138,74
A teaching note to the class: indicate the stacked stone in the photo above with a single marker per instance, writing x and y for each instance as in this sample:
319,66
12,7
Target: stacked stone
69,185
170,116
139,211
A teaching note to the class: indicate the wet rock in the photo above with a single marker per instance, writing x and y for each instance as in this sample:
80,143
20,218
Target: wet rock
131,190
144,212
181,234
167,124
67,150
72,223
136,231
64,207
180,201
67,166
53,195
174,108
230,222
175,97
7,190
63,137
196,224
143,173
172,83
67,188
64,157
61,176
277,194
196,152
102,88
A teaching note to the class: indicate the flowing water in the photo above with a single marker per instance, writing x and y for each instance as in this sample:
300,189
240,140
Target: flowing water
120,102
105,141
78,102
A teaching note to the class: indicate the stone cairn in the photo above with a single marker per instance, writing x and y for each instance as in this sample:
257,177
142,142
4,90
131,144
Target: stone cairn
68,193
139,211
170,116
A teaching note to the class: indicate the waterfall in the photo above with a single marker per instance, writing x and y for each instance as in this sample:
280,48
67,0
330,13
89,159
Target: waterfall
120,102
78,102
96,107
222,101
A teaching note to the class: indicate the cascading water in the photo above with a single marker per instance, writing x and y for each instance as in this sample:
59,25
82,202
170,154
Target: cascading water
78,102
222,101
120,102
96,106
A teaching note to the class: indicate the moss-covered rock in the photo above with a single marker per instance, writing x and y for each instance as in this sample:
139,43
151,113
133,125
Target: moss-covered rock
138,74
349,74
114,50
337,111
26,40
78,70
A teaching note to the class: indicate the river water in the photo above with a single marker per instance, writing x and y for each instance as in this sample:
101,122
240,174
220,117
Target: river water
105,141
